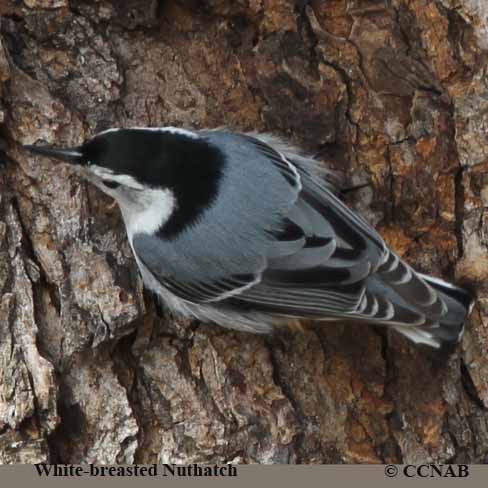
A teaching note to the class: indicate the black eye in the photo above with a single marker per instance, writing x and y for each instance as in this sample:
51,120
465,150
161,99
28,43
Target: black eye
111,184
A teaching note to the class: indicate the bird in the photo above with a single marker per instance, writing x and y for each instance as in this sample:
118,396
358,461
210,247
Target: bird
246,231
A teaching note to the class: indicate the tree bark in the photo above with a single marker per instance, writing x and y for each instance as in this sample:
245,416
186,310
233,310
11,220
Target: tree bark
390,92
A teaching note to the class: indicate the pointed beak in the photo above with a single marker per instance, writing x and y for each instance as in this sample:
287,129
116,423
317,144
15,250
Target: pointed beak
69,155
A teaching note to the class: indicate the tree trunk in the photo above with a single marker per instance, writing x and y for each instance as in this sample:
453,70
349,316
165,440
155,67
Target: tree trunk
390,92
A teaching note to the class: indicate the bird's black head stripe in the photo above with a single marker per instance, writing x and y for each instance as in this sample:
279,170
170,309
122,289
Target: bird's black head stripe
190,167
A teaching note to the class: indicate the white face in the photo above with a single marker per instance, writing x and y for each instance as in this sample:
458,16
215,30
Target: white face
144,209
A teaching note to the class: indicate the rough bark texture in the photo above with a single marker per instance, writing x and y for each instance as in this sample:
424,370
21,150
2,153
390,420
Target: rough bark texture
392,92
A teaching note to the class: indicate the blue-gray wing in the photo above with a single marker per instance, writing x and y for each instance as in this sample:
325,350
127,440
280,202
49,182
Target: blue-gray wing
325,273
277,239
339,267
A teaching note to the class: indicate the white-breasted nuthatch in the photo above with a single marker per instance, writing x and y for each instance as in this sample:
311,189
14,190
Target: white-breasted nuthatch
241,230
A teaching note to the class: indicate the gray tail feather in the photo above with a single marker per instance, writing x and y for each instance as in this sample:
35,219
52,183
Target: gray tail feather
450,329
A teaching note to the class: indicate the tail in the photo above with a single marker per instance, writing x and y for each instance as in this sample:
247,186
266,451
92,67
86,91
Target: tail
450,329
425,309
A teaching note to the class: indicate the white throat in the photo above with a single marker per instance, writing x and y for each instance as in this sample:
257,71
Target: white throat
149,212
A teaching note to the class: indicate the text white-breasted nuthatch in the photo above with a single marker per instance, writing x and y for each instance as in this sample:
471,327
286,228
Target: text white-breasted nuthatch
241,230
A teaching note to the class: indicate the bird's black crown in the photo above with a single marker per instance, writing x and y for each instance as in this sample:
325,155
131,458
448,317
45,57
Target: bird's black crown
189,166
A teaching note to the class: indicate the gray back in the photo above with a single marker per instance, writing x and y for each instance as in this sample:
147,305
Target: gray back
233,235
